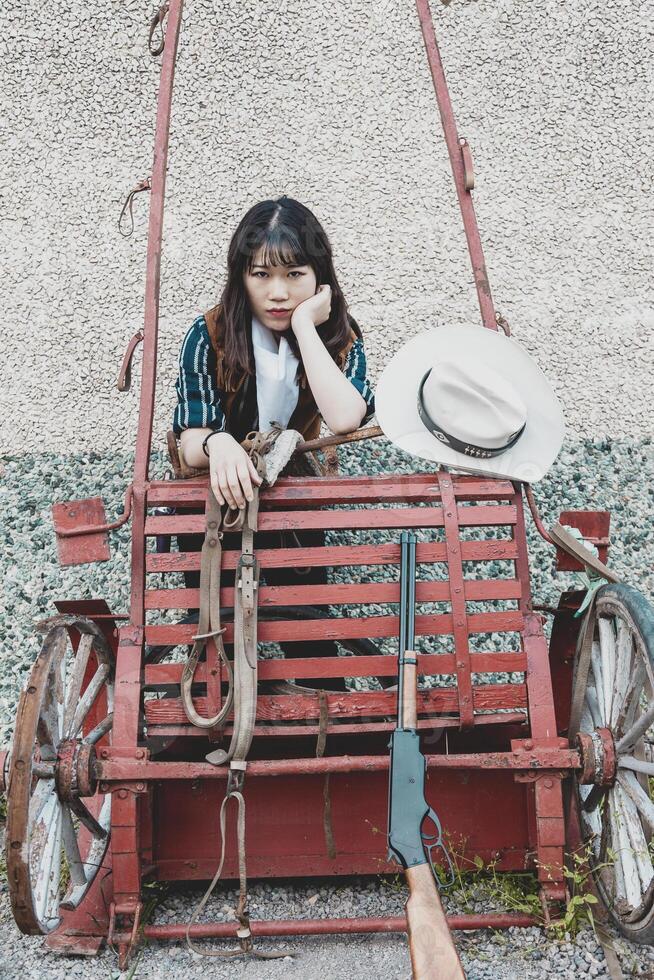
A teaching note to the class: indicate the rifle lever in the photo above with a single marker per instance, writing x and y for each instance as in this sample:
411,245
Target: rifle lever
437,841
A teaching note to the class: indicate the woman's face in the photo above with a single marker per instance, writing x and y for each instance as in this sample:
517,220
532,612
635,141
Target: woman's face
283,287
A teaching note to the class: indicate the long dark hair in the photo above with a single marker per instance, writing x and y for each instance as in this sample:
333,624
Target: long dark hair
289,234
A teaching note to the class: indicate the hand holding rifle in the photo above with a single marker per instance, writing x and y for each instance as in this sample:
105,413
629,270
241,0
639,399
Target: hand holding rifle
433,953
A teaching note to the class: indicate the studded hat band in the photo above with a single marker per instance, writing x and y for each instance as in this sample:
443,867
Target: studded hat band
449,440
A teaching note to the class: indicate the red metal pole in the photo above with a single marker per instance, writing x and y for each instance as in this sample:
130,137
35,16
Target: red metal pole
460,168
538,759
326,927
151,320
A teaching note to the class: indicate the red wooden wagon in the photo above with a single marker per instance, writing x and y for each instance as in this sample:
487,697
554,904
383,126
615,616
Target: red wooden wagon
107,775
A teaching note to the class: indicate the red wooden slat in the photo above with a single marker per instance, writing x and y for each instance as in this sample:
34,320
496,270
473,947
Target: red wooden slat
357,704
459,611
356,728
371,517
338,555
339,594
335,628
320,490
359,666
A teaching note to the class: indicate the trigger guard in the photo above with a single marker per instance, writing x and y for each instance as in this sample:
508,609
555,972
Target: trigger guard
438,836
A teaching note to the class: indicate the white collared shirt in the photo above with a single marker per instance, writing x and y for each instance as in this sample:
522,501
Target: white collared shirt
276,369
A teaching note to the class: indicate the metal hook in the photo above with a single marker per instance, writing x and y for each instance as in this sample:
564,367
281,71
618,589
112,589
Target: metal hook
158,18
143,185
503,323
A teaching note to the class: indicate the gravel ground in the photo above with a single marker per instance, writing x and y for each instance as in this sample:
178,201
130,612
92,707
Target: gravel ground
600,474
513,954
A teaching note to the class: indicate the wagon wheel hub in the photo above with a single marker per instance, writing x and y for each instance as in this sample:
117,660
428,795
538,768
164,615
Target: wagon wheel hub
598,757
75,770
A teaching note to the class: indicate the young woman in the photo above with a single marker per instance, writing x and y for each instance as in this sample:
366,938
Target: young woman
280,346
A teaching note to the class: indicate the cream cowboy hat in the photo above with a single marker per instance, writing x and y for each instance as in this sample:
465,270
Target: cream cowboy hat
472,399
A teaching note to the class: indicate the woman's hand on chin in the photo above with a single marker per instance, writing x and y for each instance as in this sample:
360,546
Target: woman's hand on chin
314,310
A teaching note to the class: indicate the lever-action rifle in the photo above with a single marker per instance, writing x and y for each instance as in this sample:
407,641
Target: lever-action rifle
433,953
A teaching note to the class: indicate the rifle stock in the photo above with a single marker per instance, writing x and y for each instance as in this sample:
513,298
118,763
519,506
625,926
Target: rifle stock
433,953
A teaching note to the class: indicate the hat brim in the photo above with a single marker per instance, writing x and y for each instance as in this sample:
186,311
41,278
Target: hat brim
396,398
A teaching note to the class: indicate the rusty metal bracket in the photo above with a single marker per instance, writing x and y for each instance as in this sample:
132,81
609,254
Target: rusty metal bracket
594,525
126,911
468,165
69,532
124,382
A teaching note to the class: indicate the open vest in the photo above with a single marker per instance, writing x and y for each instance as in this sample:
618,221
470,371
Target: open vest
240,401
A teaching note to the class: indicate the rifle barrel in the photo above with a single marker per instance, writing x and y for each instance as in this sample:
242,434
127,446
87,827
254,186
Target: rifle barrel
404,560
411,594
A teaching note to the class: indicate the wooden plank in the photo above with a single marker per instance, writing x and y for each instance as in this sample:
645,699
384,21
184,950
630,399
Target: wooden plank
340,728
159,675
340,594
336,628
458,601
372,517
336,556
354,704
322,490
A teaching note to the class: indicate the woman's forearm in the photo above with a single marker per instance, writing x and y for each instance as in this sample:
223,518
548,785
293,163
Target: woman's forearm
191,443
339,403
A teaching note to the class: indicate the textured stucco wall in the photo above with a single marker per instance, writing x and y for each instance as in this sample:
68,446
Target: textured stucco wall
333,104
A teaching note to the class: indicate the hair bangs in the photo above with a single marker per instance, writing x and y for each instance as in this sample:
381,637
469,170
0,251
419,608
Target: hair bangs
280,246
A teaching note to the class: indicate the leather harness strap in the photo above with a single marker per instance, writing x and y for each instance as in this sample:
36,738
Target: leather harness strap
209,618
243,933
244,680
245,644
245,611
321,744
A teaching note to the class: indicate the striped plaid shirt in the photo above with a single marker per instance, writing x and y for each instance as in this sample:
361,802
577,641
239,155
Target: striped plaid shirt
199,403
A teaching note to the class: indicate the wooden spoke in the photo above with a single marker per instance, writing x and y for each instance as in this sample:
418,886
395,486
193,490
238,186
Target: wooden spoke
636,731
637,765
636,839
625,648
88,819
627,712
99,731
71,847
74,686
596,662
608,657
48,730
616,848
593,704
624,854
85,704
643,803
42,795
46,861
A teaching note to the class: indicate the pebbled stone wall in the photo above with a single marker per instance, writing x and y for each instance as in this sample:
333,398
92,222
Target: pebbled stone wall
333,104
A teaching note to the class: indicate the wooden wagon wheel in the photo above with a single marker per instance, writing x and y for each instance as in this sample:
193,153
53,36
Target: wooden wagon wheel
614,698
55,842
